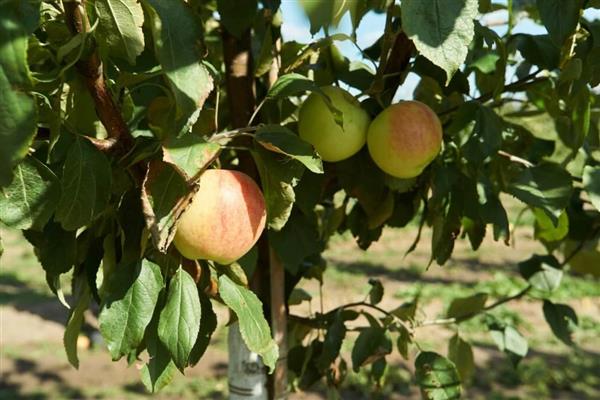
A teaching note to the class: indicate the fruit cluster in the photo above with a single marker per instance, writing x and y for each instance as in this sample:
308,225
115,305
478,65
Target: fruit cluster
227,215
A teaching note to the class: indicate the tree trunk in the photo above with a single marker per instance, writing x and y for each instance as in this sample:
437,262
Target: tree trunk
246,373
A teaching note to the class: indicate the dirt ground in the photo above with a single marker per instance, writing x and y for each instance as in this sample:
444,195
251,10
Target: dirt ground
33,364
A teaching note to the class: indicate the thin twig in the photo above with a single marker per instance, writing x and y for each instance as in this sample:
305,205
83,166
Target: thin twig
92,70
233,133
516,159
518,85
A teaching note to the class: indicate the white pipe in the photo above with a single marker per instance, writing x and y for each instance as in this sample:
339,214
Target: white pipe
246,372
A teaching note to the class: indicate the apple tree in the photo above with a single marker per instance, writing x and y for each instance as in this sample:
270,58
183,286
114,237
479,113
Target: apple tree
111,111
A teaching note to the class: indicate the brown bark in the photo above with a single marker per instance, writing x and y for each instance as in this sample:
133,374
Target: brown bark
239,83
91,69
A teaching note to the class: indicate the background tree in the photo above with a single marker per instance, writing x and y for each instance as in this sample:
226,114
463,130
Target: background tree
110,110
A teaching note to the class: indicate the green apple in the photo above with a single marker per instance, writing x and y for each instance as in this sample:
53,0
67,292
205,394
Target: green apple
317,125
224,219
404,138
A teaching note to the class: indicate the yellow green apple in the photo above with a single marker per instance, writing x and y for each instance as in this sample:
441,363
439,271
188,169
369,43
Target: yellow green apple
404,138
316,124
224,219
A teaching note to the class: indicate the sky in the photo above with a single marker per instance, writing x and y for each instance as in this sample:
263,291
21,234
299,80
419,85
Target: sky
296,27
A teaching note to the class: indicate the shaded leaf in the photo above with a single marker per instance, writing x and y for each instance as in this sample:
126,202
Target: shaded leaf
562,320
403,341
86,185
160,369
560,18
74,324
208,324
56,249
278,178
542,272
237,16
371,344
297,240
376,292
547,186
466,306
591,183
332,344
461,354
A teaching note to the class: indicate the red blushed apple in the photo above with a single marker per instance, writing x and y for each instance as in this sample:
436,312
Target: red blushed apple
404,138
224,220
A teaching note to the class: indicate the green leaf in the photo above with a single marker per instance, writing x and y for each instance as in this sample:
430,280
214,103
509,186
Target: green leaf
160,369
120,28
510,341
547,186
466,306
74,324
437,376
371,344
18,111
547,278
290,85
562,320
281,140
190,155
297,296
297,240
546,231
278,177
31,198
264,61
461,354
542,272
325,12
179,321
441,30
403,341
253,326
486,138
56,249
560,18
131,297
591,184
336,332
86,184
175,27
164,195
237,16
538,50
376,292
208,324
